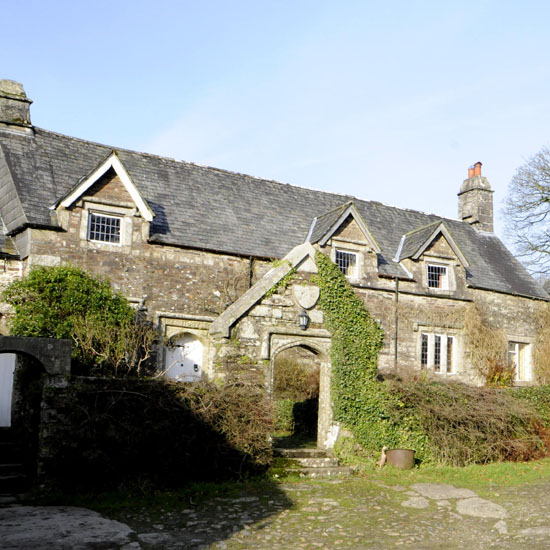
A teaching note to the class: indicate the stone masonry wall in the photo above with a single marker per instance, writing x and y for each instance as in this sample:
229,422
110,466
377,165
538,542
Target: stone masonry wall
174,280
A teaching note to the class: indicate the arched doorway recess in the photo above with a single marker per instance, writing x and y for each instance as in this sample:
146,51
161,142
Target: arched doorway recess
311,358
27,366
183,358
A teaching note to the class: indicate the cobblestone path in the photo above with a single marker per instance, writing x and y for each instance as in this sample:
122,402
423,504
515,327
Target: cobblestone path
353,513
356,514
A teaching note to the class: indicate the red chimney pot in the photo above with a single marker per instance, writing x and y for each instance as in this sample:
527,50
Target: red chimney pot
477,169
470,172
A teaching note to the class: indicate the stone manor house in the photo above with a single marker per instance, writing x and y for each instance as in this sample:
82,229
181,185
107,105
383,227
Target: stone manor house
221,259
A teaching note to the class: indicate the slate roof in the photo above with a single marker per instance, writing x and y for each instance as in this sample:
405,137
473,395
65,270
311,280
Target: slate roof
413,240
207,208
322,224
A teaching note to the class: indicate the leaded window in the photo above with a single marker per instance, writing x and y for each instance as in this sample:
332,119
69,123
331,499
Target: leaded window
103,228
437,276
347,262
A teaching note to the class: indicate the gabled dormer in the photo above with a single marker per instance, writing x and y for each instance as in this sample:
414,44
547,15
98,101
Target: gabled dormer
434,259
105,202
348,240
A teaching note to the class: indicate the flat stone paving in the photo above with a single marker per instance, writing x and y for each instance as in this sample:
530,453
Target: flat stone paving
353,513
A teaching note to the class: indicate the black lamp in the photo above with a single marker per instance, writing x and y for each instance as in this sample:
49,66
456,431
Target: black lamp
303,319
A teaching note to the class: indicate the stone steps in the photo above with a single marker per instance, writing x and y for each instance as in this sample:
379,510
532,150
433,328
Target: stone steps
311,463
13,478
300,453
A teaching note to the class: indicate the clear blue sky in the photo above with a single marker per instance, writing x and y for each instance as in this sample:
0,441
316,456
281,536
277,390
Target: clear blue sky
389,101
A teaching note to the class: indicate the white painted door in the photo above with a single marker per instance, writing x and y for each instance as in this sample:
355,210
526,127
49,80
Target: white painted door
183,361
7,368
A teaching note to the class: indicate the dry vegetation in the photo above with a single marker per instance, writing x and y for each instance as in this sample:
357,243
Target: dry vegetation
541,351
467,425
487,348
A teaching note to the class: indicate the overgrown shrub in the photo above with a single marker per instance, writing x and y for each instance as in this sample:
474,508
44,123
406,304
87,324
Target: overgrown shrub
295,380
154,434
284,418
486,349
538,397
296,392
466,425
67,302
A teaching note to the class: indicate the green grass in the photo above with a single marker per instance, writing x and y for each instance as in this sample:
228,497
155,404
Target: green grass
502,474
478,478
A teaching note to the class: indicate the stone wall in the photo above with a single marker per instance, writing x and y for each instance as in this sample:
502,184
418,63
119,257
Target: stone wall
173,280
10,270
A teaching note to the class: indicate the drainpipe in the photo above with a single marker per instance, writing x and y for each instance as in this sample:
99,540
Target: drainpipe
250,271
396,321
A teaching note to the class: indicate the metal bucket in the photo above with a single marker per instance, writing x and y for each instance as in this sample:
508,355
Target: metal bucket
400,458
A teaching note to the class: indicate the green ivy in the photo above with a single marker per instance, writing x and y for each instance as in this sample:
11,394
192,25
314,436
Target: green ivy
538,397
280,286
364,405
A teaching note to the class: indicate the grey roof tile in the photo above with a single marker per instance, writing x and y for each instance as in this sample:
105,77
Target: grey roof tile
207,208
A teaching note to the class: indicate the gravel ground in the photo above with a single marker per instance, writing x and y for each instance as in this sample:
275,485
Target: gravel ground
353,513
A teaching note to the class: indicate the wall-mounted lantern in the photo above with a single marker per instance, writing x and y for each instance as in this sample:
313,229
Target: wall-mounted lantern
303,319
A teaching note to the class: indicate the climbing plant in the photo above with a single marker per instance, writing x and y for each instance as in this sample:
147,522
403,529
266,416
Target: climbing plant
361,402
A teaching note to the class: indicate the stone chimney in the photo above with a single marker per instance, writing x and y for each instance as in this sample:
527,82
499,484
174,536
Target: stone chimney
14,108
475,200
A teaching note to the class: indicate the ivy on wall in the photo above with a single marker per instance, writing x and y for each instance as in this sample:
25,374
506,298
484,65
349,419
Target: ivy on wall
448,423
363,404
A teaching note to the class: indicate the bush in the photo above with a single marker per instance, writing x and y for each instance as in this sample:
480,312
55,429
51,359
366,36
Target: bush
294,380
467,425
67,302
538,397
284,418
154,434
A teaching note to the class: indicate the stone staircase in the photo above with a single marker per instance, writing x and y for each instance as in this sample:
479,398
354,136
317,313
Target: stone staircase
13,479
310,463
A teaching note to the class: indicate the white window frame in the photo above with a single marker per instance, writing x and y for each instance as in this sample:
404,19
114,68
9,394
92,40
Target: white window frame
351,273
521,350
434,352
443,279
102,215
96,208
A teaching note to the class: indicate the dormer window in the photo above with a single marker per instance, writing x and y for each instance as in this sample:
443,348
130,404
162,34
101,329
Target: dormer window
438,276
347,262
105,229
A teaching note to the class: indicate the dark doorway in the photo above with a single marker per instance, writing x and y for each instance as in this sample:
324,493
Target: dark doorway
21,394
296,372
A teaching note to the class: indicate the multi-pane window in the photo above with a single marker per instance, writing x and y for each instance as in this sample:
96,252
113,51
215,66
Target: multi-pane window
347,262
424,351
438,277
517,355
103,228
437,352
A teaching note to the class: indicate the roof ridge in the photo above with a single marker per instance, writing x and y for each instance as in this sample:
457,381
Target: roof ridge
342,207
423,227
350,198
196,164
